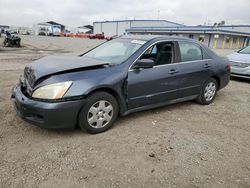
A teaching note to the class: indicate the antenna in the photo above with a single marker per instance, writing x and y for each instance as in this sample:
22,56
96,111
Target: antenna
158,14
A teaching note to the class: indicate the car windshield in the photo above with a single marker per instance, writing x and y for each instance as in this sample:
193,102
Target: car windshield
115,51
245,50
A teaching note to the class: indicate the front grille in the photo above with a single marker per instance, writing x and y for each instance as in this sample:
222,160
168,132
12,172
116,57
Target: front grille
239,65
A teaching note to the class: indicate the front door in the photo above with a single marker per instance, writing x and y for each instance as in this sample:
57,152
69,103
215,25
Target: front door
158,84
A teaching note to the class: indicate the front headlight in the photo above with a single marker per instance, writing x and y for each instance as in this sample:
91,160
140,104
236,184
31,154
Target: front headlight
52,91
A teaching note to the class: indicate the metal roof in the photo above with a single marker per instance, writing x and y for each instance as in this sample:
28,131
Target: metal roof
55,23
4,26
198,26
189,29
143,20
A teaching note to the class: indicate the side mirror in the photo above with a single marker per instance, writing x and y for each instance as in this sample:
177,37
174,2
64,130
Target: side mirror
144,64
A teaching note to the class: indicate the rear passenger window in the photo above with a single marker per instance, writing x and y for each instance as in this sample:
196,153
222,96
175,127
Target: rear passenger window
190,51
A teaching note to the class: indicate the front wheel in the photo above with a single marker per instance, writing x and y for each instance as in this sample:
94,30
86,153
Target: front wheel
99,113
208,92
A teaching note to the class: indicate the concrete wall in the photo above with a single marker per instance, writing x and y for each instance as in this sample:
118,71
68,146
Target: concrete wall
122,26
109,29
97,28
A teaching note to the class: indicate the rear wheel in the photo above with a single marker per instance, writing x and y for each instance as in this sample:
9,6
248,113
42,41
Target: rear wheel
99,113
208,92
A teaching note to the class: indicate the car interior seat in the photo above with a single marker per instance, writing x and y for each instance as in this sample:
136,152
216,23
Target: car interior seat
164,56
192,54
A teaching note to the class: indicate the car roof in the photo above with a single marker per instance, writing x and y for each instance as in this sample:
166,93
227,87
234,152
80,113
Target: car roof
150,37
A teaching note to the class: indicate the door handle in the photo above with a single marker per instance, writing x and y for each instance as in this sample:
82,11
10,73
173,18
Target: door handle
173,71
206,65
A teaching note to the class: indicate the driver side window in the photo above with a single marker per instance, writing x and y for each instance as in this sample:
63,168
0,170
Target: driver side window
161,53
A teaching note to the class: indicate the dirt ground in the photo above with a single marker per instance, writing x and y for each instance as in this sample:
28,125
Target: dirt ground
182,145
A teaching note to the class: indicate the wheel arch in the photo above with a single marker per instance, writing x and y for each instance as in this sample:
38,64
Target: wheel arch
217,80
112,92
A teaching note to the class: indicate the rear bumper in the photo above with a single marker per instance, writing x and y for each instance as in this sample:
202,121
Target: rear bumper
240,72
244,76
46,115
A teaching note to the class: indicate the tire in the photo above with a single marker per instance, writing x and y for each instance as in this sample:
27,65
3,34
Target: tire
7,44
208,92
99,113
18,44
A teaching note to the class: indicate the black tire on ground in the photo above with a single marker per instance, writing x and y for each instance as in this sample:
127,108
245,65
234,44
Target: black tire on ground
92,100
202,99
7,44
18,44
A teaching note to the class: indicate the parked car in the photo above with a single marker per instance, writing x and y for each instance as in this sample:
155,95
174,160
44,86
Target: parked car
13,32
112,37
240,62
97,36
121,76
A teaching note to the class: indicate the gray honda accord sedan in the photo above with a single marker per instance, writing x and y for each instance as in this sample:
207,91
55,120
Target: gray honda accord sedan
121,76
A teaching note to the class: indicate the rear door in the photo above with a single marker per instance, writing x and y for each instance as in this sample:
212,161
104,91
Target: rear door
194,67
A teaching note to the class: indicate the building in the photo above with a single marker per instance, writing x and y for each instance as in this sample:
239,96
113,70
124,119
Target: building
57,24
49,28
4,28
119,27
21,30
221,37
86,29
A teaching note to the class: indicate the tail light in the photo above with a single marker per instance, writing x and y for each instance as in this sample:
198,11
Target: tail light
229,67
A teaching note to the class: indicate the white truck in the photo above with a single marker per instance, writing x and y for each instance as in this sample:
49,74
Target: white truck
47,29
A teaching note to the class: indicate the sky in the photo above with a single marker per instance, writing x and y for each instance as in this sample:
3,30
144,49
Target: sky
75,13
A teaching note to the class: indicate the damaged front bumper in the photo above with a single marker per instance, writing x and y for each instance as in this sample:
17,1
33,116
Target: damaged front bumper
52,115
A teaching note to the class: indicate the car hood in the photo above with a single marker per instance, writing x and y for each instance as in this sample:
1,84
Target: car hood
52,65
238,57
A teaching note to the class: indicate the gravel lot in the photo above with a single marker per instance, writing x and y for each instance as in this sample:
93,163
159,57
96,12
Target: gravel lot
182,145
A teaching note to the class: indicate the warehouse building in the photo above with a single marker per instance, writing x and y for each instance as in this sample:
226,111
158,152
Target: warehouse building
4,28
112,28
220,37
50,28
